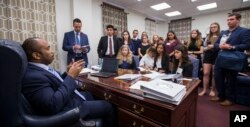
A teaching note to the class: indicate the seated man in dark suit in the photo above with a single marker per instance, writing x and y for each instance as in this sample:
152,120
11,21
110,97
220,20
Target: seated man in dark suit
50,93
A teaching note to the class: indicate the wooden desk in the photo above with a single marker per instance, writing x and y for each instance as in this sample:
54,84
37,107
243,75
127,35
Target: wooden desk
135,110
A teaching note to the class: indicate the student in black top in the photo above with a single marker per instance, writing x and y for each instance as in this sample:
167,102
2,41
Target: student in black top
210,55
181,61
144,46
161,61
125,57
195,47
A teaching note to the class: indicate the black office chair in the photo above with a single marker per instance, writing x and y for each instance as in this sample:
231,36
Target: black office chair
15,110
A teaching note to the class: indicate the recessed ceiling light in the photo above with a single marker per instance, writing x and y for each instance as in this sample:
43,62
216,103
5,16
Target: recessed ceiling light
174,13
138,0
160,6
193,0
245,0
207,6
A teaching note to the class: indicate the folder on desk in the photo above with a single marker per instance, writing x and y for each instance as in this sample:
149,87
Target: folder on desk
164,90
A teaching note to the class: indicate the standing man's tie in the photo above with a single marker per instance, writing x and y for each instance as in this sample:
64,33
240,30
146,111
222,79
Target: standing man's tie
77,39
110,47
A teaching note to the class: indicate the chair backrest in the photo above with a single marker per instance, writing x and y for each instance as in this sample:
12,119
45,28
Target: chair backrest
15,110
195,63
12,68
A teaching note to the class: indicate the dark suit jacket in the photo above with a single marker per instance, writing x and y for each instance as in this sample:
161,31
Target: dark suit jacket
187,69
46,93
103,46
239,38
164,63
69,41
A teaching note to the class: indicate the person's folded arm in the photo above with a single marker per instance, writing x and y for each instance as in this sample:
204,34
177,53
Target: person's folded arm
245,40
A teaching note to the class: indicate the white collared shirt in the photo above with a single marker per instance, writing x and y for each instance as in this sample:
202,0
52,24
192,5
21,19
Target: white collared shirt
112,41
48,69
43,66
158,63
147,61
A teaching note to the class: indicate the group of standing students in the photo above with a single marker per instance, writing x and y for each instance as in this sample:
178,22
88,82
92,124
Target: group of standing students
164,57
172,56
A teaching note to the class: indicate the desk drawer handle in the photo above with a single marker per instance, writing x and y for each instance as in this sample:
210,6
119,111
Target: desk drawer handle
138,111
83,86
107,96
134,124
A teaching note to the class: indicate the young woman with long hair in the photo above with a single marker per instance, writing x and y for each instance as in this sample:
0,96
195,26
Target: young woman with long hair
143,46
161,61
126,40
181,60
209,59
195,48
125,57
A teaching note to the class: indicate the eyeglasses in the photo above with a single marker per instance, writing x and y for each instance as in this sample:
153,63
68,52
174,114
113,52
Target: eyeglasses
213,27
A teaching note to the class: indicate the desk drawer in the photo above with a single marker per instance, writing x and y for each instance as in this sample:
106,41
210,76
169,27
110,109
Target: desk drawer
151,113
127,119
101,93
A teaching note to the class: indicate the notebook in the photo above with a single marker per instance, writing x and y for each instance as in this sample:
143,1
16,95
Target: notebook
109,68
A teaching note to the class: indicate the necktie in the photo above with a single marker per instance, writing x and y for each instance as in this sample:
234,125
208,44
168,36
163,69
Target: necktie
55,74
77,39
51,70
110,47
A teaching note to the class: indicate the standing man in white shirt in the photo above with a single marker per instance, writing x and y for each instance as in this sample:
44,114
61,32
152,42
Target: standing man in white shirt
108,45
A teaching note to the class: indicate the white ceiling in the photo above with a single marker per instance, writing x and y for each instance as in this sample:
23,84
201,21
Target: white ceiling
186,7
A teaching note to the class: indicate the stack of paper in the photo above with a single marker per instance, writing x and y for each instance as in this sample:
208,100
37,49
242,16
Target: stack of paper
128,77
157,75
164,90
154,75
87,70
96,67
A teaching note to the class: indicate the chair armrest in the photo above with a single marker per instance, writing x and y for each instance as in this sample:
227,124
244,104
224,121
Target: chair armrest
91,122
58,120
243,80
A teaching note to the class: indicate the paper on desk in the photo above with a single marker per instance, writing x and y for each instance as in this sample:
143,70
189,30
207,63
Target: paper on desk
96,67
87,70
138,84
128,76
141,69
167,76
154,75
